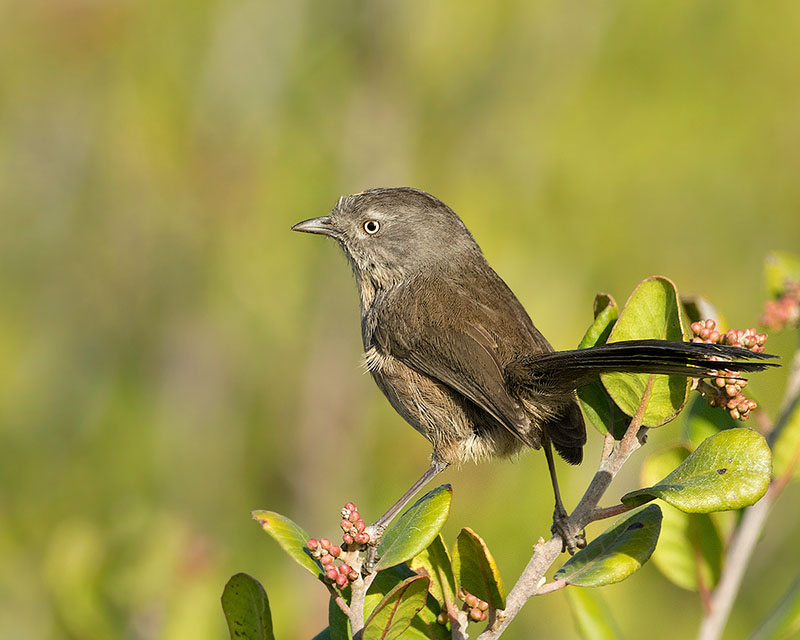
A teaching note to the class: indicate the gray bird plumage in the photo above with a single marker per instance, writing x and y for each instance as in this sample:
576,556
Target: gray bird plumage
453,349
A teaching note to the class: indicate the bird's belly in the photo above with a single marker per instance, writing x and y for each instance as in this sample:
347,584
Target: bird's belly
458,429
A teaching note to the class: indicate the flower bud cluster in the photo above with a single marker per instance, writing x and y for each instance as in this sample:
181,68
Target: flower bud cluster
750,339
353,526
475,607
785,311
328,554
725,390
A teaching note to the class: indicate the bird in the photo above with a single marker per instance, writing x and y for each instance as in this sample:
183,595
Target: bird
455,352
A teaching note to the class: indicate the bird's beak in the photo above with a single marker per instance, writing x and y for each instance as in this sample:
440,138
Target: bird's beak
324,226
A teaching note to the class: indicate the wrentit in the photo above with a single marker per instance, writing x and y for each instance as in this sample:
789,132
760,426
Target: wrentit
454,351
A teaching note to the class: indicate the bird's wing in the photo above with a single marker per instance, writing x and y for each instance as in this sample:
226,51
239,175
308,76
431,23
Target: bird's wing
463,355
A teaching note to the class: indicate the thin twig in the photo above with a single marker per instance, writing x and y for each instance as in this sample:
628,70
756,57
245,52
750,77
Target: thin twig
339,600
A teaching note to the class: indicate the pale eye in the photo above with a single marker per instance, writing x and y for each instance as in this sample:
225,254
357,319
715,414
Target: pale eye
371,227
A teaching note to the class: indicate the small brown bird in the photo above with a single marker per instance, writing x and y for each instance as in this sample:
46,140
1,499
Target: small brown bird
455,352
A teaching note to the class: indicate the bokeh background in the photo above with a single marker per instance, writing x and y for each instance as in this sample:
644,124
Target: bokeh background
171,356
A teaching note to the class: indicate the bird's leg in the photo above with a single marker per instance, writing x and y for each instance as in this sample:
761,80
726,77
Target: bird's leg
572,539
377,528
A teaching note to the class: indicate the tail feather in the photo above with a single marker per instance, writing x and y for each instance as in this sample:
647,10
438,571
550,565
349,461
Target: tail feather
562,371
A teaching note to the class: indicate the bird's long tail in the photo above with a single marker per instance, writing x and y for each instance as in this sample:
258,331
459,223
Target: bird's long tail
561,371
552,378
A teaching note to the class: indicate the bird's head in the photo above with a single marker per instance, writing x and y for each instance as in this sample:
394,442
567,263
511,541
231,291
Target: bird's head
392,234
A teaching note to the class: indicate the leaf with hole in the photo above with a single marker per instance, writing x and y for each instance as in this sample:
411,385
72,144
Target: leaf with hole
246,608
729,470
617,553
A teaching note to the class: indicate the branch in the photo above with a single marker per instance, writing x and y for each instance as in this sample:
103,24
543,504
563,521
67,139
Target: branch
532,580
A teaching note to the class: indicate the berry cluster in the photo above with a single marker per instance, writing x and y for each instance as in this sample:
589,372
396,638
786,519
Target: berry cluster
355,538
726,388
353,526
706,331
785,311
326,552
475,607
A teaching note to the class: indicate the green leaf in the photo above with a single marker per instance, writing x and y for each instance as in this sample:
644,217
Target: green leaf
435,563
606,313
617,553
729,470
290,537
246,608
781,267
424,626
652,312
784,620
476,570
701,421
690,549
598,406
416,528
393,616
786,446
592,616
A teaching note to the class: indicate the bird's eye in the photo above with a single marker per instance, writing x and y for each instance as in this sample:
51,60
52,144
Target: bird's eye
371,227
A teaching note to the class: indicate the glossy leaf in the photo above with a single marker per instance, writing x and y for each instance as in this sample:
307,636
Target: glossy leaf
393,616
416,528
597,405
435,563
290,536
246,608
424,624
617,553
730,470
593,618
780,268
652,312
476,570
783,622
689,548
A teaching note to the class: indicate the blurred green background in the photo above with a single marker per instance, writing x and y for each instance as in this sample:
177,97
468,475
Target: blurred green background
171,356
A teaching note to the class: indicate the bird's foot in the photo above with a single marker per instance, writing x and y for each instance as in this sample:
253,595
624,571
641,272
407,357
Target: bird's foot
572,538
